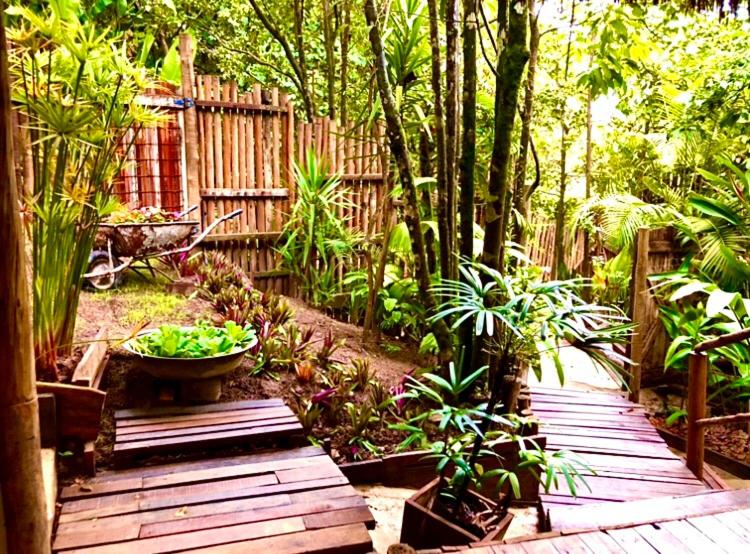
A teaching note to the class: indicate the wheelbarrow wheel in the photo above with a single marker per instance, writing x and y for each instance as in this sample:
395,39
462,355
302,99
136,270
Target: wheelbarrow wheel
99,263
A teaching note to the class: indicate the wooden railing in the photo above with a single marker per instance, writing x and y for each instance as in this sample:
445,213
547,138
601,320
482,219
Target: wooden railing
697,392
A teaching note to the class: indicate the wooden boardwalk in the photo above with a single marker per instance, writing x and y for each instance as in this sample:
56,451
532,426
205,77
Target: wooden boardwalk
181,430
280,502
707,523
615,438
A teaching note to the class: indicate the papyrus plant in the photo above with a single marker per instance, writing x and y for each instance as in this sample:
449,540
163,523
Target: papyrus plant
74,88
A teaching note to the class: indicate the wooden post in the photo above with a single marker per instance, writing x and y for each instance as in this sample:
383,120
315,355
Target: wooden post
696,408
21,484
190,122
638,311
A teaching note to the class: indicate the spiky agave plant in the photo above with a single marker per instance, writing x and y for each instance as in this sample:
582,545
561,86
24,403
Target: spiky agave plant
76,90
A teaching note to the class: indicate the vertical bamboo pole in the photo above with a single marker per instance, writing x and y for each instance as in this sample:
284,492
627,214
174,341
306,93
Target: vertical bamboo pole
21,482
190,122
696,408
638,311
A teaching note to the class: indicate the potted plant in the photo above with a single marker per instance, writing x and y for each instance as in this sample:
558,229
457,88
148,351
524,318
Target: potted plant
517,319
196,356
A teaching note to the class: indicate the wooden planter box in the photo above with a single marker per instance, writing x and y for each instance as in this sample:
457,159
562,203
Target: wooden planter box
73,413
414,469
421,528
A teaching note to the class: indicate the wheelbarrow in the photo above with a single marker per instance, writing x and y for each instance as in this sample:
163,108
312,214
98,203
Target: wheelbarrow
118,246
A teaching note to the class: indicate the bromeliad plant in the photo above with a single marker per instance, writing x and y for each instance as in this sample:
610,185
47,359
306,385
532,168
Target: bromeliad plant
76,89
316,241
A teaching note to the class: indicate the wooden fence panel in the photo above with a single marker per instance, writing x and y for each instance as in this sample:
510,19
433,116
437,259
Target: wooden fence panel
245,163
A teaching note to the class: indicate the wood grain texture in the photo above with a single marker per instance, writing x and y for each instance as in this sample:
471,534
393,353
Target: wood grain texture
283,501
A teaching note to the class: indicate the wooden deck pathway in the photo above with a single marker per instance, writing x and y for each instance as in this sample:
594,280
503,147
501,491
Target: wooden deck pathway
707,523
182,430
615,438
280,502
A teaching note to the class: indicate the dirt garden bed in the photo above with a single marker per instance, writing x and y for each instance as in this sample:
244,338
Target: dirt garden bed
129,387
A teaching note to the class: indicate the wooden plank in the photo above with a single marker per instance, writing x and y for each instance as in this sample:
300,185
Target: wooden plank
204,538
245,193
128,504
224,461
79,409
88,372
720,534
167,431
360,513
601,543
223,438
571,544
238,106
347,539
631,542
201,409
127,426
661,539
652,510
335,518
259,237
686,533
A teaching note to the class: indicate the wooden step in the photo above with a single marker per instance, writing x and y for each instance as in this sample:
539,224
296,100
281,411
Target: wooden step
140,433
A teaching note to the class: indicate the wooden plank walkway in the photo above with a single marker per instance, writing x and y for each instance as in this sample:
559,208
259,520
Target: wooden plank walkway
615,438
179,430
712,522
281,502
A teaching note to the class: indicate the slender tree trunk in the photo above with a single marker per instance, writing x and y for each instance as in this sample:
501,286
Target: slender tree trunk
21,482
344,77
444,238
587,269
451,122
468,160
400,152
512,32
522,193
329,38
510,66
425,168
558,265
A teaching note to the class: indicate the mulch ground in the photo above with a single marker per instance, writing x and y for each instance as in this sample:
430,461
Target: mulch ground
731,440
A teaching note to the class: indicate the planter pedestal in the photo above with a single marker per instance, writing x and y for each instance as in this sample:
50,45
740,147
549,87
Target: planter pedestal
200,391
421,528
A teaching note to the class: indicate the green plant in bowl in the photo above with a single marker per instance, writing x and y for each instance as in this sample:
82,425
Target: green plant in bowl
201,341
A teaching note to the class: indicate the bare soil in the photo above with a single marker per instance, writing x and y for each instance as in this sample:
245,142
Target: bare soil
731,440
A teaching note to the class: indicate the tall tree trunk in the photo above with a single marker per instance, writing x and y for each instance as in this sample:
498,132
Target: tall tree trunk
400,152
21,482
587,269
344,77
510,66
512,32
329,39
451,122
425,169
468,159
558,264
444,238
521,192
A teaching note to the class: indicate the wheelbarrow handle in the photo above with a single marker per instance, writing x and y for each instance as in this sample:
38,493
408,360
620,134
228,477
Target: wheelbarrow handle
199,238
191,209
